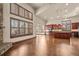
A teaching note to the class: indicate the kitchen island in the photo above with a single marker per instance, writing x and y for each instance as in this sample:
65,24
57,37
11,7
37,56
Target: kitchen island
61,34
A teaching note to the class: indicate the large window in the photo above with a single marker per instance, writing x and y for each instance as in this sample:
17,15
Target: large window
14,9
14,28
20,28
20,11
30,28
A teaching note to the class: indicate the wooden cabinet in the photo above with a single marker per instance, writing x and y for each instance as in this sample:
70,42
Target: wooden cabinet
75,25
75,34
62,35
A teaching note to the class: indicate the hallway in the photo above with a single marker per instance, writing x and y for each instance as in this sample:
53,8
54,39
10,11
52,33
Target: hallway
45,45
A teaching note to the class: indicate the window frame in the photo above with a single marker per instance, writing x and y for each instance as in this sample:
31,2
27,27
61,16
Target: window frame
28,12
19,28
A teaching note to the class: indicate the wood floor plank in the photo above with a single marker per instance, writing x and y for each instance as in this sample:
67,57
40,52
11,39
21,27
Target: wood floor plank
45,45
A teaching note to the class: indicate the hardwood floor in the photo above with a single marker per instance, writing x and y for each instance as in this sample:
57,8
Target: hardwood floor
45,45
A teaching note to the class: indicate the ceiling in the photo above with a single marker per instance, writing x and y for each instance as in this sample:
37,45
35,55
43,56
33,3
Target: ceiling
57,11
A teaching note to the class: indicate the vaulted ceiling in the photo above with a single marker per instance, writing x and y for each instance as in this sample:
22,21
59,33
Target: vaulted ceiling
49,11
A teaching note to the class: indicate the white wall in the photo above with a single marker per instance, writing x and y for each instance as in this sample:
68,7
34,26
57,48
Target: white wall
6,23
39,25
73,20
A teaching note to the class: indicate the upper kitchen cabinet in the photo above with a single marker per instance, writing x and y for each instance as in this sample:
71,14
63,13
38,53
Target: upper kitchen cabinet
75,25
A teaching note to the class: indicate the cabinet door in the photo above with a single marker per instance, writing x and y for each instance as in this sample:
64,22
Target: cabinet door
75,25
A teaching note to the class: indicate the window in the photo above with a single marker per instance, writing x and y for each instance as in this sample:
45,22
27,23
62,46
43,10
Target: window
30,28
20,11
30,15
26,14
14,28
14,8
26,28
20,28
